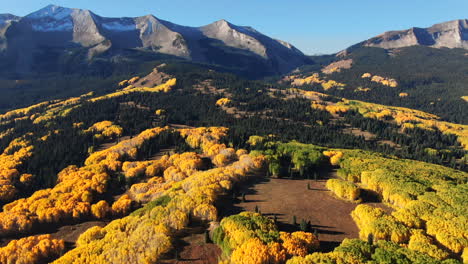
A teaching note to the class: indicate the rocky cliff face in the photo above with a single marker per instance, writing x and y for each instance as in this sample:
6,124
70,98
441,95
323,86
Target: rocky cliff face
452,34
63,29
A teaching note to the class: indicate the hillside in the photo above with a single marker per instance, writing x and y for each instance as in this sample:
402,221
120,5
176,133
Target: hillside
176,142
432,80
136,140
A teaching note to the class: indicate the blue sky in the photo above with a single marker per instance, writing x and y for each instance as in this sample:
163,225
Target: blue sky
314,26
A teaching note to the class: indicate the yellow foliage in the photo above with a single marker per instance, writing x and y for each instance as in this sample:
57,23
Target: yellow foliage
143,236
385,81
366,75
30,250
403,94
405,117
122,206
14,155
160,112
424,244
314,78
206,212
360,89
299,243
123,83
223,102
105,129
375,221
100,209
334,156
327,85
344,189
89,235
133,80
336,109
251,252
165,87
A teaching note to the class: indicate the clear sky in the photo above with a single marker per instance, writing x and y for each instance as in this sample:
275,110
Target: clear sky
314,26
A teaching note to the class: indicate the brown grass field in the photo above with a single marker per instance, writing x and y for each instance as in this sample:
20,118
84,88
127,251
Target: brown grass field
286,198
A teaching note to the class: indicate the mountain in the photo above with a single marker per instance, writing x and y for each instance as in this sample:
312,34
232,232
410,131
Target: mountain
64,31
5,22
428,65
452,34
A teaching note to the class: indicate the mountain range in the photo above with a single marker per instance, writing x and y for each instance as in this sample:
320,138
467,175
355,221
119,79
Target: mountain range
452,34
56,38
24,39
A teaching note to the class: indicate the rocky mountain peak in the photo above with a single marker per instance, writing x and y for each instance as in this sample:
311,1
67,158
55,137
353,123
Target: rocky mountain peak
52,12
451,34
70,29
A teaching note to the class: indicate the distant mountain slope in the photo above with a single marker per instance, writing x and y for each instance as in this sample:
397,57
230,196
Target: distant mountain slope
428,79
62,31
429,65
452,34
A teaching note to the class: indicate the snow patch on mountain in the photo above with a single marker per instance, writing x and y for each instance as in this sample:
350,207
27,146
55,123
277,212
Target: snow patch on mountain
66,25
7,18
53,12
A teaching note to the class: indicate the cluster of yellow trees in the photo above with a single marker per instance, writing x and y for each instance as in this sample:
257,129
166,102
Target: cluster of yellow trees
306,94
77,188
382,80
145,235
223,101
71,198
335,156
130,81
429,202
162,174
45,111
30,250
405,117
374,221
344,189
165,87
205,138
250,238
11,159
315,79
355,251
105,129
126,150
23,112
50,110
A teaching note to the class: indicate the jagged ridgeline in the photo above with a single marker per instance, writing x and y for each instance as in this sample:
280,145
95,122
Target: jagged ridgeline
55,38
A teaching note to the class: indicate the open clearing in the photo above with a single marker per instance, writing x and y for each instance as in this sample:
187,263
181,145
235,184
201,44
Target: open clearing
286,198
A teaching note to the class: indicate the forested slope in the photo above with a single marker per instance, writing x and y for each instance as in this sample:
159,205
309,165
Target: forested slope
154,155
